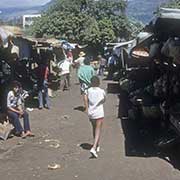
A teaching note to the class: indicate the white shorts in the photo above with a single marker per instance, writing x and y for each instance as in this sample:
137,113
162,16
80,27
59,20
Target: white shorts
84,88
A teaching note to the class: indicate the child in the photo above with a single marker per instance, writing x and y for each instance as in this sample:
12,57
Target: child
96,99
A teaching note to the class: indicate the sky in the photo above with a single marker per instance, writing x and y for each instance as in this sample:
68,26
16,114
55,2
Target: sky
22,3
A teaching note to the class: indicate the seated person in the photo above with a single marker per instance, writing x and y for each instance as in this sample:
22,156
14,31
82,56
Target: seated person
15,112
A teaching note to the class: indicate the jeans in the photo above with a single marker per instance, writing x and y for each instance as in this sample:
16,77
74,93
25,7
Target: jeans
101,70
43,96
14,119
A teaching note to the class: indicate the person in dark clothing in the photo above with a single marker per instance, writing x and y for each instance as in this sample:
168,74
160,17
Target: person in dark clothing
111,63
43,74
102,65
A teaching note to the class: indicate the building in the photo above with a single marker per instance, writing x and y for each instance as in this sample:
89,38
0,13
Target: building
29,19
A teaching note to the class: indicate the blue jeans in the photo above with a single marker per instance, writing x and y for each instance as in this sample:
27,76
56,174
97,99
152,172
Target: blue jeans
43,95
65,81
14,119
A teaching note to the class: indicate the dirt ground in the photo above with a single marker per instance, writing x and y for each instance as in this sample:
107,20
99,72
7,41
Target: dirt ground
63,136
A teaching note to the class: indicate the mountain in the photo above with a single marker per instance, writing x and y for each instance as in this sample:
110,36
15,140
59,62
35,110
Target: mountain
11,13
16,12
47,5
143,10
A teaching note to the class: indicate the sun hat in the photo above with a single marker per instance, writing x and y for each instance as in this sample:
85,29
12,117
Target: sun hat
99,56
81,54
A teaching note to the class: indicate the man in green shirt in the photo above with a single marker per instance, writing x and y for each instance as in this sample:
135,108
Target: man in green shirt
85,73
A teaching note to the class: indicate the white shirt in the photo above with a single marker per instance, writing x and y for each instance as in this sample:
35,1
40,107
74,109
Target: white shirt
96,98
12,100
80,61
15,101
65,67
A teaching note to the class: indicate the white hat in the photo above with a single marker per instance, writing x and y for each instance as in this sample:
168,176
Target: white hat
82,54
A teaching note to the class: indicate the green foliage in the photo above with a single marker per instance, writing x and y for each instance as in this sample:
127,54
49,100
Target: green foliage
173,4
135,27
85,21
107,8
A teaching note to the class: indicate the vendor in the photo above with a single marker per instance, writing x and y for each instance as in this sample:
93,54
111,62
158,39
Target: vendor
15,112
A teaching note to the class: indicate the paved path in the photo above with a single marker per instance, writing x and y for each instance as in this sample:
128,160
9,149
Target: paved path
66,126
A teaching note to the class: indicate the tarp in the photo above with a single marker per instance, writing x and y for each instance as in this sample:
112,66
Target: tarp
121,44
67,45
5,34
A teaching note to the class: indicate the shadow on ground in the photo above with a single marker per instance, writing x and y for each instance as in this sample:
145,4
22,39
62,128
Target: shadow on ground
86,146
79,108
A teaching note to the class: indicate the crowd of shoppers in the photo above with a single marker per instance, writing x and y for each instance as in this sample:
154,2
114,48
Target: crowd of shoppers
93,96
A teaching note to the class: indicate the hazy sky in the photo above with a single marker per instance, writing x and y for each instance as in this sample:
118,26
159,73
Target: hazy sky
22,3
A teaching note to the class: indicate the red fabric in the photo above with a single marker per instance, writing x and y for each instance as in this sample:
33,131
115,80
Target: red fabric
43,72
46,74
69,54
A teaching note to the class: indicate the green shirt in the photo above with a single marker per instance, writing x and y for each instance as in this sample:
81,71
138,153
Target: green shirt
85,73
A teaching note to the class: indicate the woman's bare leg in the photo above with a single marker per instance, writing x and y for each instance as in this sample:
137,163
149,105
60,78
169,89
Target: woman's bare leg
97,133
85,99
93,123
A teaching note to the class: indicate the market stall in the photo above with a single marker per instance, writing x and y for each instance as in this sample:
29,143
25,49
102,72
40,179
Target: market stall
150,82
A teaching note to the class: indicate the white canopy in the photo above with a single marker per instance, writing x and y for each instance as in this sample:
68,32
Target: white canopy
170,13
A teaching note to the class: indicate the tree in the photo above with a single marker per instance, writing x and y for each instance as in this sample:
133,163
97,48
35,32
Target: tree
85,21
172,4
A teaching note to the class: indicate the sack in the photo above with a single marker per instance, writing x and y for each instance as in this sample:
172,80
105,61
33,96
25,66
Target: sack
15,50
5,130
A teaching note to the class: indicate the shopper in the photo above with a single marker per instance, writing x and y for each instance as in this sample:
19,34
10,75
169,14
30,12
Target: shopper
43,74
85,73
102,64
65,74
80,60
96,99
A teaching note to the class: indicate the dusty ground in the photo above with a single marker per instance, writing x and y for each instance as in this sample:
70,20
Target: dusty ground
67,126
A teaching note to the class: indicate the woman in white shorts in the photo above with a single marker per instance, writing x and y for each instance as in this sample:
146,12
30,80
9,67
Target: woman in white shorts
96,99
